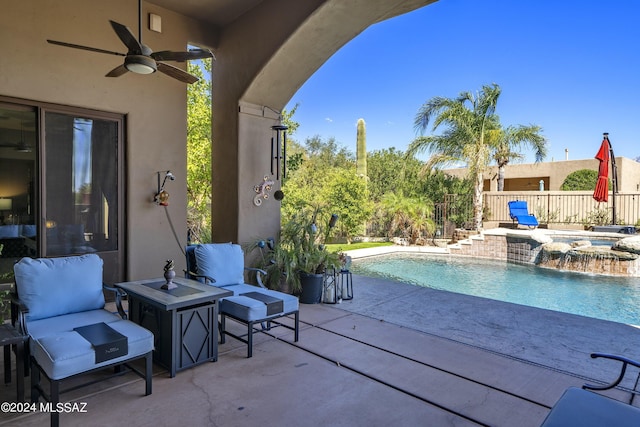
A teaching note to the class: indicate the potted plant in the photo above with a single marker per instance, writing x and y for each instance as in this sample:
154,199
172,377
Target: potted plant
277,261
299,257
5,295
305,234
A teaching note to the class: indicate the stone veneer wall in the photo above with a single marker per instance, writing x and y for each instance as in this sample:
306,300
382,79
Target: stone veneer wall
507,248
522,250
493,247
525,250
592,264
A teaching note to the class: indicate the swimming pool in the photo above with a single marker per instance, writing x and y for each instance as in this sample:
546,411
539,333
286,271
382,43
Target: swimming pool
602,297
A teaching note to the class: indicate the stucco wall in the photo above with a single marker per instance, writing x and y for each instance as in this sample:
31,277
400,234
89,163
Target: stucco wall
526,177
154,105
264,56
254,130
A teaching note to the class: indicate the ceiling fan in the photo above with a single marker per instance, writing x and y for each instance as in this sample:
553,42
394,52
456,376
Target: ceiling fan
21,146
140,58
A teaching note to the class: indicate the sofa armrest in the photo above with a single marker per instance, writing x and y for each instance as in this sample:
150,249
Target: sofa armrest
207,279
259,275
18,313
623,369
119,294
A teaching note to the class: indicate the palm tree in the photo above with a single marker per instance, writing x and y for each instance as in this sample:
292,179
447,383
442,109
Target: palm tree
469,136
409,216
510,140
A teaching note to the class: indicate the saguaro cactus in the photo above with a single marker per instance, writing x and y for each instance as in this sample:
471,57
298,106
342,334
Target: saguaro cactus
361,149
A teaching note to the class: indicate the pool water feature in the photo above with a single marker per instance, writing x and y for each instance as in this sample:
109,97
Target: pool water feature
603,297
589,256
593,242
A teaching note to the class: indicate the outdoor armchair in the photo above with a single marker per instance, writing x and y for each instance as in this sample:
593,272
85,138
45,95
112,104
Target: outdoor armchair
624,364
583,408
222,265
59,303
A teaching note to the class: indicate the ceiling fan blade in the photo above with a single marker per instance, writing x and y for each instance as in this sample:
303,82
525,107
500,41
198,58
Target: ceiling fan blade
127,37
176,73
117,72
91,49
192,54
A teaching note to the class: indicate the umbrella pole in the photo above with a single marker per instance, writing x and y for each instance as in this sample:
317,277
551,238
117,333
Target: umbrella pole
614,176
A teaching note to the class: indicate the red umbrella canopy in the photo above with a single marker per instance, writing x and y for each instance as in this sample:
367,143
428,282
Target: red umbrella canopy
601,193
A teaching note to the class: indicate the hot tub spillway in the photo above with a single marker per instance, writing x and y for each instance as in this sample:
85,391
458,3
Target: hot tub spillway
620,258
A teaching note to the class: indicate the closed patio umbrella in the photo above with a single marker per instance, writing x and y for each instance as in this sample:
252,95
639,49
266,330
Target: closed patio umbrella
601,193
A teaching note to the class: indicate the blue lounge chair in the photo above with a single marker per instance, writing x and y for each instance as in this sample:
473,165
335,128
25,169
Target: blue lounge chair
518,211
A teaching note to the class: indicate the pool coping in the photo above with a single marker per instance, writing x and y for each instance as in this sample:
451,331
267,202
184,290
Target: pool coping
538,235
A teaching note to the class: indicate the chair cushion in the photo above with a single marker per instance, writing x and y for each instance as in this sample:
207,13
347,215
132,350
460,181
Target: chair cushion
28,230
56,286
65,353
68,322
222,261
290,303
9,231
245,308
583,408
527,220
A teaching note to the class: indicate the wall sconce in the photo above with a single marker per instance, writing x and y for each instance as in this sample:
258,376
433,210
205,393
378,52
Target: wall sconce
279,150
162,197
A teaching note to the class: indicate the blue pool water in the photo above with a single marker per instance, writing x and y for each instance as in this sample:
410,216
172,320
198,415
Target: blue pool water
602,297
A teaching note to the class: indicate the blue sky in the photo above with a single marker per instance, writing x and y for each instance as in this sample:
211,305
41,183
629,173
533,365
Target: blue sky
569,66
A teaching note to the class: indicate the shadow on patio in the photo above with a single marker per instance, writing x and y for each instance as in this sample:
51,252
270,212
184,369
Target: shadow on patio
395,355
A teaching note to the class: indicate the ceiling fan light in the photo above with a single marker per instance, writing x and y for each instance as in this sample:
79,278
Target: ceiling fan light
23,148
140,64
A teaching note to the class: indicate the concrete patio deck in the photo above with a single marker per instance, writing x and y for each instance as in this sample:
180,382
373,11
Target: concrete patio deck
395,355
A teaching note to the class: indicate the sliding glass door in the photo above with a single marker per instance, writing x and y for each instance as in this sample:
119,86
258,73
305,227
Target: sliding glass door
18,174
70,194
81,185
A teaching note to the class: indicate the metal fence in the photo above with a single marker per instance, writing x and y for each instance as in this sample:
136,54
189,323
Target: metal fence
455,211
565,207
549,207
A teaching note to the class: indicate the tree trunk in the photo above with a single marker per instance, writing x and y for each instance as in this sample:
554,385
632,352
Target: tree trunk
501,178
477,202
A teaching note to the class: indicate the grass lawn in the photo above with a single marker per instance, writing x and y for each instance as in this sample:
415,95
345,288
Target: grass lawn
338,247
